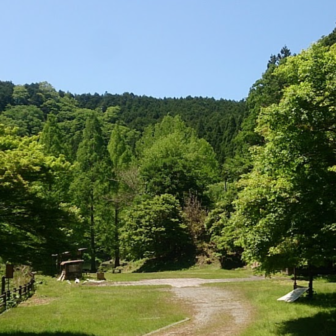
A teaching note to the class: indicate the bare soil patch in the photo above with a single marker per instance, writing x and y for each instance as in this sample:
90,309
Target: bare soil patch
36,301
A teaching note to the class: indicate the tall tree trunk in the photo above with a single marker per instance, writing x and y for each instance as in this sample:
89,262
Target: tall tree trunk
310,287
92,238
295,283
116,237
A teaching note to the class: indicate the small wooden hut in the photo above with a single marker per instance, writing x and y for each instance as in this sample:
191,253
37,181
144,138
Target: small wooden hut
71,270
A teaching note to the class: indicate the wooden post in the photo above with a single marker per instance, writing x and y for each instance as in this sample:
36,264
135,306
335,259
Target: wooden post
5,300
310,287
3,285
9,271
295,284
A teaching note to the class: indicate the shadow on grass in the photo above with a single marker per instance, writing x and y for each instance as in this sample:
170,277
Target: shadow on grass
56,333
166,264
330,278
321,324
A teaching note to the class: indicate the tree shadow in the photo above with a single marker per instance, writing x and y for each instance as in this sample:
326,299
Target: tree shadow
166,264
231,262
321,324
330,278
56,333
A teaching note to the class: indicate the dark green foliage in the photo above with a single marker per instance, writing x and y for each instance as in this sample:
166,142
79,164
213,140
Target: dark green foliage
28,119
264,92
217,121
221,233
6,91
329,40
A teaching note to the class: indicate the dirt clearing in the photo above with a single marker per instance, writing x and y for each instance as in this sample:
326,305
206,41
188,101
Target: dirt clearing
214,311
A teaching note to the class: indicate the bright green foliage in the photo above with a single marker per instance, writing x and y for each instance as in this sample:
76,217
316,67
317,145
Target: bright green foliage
109,118
91,180
52,137
222,234
124,185
285,214
175,161
73,129
155,228
120,152
33,223
52,140
20,95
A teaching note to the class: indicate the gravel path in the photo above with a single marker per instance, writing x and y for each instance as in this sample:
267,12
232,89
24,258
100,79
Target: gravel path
214,311
181,282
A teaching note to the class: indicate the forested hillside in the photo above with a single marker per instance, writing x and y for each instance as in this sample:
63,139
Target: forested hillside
217,121
132,177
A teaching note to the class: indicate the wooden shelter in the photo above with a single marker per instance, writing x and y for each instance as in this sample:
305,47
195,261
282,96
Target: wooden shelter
71,270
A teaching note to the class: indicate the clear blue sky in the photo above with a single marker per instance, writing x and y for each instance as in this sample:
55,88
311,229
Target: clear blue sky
159,48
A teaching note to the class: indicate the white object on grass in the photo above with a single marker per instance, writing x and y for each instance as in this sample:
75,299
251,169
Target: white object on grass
293,295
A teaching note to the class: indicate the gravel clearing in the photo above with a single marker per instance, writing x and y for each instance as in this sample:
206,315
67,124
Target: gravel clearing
214,311
181,282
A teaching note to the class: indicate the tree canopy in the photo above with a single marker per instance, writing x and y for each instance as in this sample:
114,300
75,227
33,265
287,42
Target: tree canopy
33,223
285,213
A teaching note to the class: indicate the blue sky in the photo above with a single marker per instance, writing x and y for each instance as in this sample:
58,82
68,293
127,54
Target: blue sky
159,48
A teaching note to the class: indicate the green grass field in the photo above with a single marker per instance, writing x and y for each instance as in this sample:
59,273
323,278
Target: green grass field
58,308
316,317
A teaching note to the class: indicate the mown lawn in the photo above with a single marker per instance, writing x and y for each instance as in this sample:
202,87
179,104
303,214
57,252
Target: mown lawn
58,308
63,309
316,317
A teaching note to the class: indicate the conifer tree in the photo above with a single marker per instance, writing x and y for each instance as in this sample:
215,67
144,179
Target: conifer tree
124,182
52,137
90,180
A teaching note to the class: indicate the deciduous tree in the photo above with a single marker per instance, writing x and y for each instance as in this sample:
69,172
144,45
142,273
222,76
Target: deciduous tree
286,212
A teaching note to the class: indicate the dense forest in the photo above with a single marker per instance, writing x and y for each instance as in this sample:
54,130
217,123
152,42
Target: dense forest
131,177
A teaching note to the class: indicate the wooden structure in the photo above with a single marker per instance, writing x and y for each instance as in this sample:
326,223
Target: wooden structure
71,270
16,295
